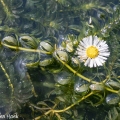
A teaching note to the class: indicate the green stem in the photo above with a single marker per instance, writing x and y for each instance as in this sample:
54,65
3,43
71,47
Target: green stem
67,108
25,49
5,7
75,72
111,90
38,108
7,76
107,77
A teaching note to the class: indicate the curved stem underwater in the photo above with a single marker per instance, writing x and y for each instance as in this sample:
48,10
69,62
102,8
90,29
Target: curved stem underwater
67,108
75,72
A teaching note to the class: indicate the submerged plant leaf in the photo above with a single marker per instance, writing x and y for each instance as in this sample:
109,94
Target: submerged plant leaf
112,114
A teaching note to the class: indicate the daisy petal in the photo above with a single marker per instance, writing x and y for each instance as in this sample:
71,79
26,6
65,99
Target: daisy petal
94,62
91,63
98,62
104,53
87,62
90,40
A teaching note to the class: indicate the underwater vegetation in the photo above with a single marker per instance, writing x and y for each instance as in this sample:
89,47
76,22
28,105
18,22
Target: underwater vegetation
60,59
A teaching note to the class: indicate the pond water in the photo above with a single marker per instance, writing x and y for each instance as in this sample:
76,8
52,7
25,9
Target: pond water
59,59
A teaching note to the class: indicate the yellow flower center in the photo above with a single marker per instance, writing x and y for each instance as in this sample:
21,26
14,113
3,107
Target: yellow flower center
92,52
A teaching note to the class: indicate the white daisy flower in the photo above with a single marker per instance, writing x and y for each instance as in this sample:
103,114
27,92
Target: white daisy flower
92,51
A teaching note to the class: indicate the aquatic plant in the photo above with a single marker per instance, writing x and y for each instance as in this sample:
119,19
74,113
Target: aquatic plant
59,59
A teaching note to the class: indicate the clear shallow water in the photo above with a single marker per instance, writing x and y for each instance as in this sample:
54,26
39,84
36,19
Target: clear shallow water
30,80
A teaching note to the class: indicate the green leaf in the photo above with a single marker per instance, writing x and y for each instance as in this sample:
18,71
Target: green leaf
60,98
75,27
112,114
42,103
